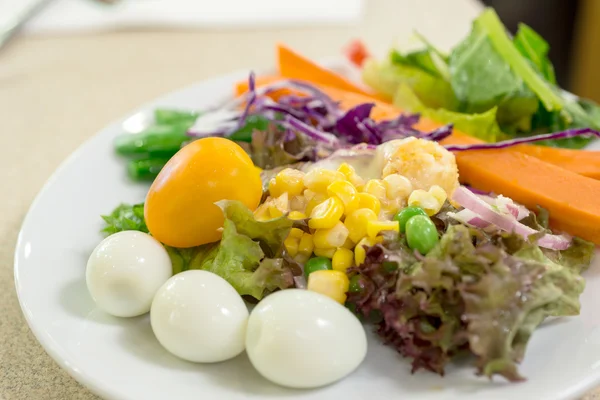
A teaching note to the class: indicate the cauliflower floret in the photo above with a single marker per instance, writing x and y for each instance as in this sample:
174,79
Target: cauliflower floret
423,162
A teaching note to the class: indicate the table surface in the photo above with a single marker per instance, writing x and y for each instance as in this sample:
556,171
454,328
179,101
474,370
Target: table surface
56,92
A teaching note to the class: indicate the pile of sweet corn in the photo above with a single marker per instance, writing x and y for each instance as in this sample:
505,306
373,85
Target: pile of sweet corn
344,213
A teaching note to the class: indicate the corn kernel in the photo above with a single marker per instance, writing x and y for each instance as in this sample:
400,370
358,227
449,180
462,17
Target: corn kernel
332,237
367,200
275,212
374,227
296,215
309,194
314,200
262,213
360,254
424,200
327,214
333,284
301,258
439,193
357,223
296,233
273,189
327,253
376,188
346,169
278,206
287,181
397,186
351,175
298,203
346,192
348,244
392,207
306,244
318,179
291,245
342,259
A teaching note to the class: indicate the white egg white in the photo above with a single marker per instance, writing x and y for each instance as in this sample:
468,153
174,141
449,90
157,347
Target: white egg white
302,339
124,272
198,316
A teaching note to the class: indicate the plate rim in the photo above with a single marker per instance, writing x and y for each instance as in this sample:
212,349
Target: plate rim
64,362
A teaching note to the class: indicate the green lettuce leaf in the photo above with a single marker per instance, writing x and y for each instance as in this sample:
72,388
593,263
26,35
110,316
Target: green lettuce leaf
479,75
235,261
576,258
533,47
431,89
190,258
438,56
482,79
125,217
269,234
482,126
420,59
577,113
249,255
488,24
268,148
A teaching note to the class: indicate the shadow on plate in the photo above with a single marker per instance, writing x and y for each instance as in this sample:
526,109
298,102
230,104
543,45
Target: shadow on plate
236,374
383,366
75,299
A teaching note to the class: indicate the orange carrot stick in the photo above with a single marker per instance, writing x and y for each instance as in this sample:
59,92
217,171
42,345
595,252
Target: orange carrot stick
583,162
295,66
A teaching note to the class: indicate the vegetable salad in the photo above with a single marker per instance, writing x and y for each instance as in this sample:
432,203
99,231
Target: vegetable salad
334,211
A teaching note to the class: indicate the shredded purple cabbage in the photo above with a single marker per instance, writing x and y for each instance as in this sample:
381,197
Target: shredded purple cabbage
317,116
310,131
570,133
251,100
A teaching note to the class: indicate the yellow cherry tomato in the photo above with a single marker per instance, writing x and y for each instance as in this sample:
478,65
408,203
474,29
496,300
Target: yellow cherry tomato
180,209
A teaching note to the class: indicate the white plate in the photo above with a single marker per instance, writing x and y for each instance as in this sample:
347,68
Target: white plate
121,359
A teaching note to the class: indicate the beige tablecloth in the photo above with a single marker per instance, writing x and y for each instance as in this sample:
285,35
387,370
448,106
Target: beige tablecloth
55,92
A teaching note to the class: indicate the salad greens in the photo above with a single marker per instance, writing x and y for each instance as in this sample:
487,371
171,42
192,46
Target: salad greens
484,123
249,255
149,150
489,75
125,217
474,292
271,147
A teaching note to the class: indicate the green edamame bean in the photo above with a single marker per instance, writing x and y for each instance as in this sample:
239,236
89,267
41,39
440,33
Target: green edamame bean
355,285
407,213
421,234
317,264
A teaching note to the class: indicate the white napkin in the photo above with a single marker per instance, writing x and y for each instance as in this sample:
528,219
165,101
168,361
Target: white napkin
91,15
